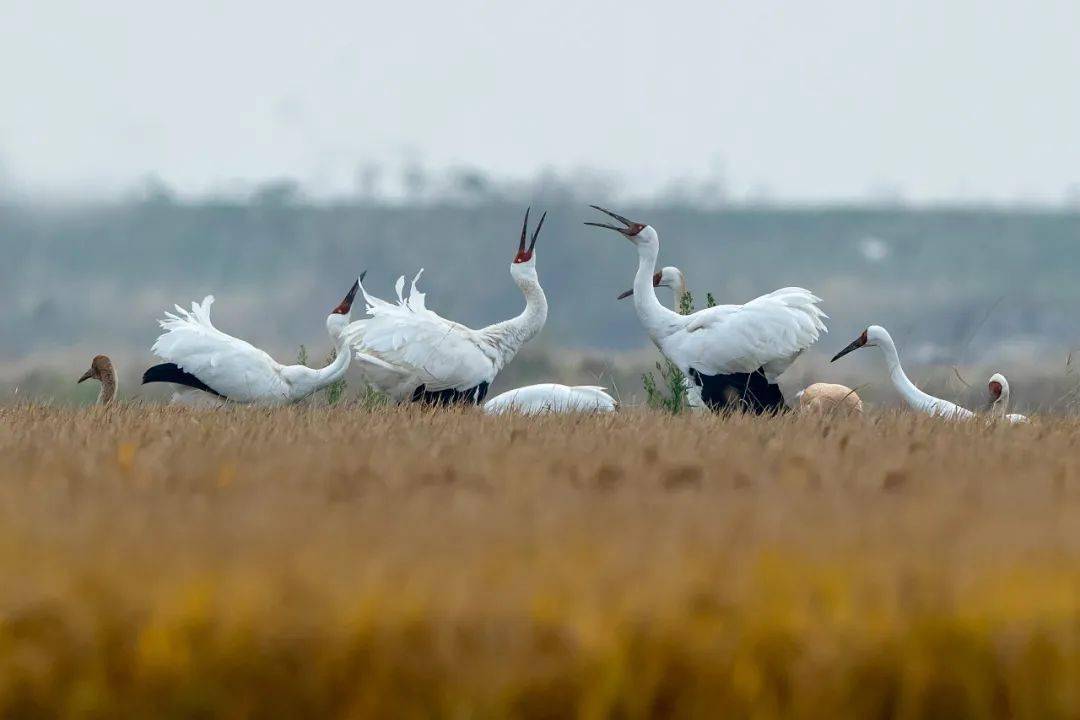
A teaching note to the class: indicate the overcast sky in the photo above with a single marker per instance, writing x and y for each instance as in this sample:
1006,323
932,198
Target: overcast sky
809,101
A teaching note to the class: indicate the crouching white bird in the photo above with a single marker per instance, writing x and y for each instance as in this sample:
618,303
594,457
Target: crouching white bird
200,356
552,398
999,400
734,353
411,353
877,336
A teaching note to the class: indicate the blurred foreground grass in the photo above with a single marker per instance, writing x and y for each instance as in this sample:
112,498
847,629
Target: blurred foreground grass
322,562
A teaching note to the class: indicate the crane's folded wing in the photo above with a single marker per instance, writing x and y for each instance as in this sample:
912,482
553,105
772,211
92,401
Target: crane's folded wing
442,355
768,332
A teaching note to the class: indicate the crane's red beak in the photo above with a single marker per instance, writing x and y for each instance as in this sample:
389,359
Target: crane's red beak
346,305
632,228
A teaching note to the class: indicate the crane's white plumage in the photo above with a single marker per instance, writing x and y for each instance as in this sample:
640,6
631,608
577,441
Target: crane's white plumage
551,398
400,347
877,336
408,345
231,366
768,333
999,400
236,369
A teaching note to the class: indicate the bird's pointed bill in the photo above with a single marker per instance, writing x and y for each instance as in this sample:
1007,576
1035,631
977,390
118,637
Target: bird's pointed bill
626,294
346,305
536,232
620,218
86,376
524,231
855,345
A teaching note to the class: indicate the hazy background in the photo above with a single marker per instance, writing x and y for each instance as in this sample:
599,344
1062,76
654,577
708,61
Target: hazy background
915,166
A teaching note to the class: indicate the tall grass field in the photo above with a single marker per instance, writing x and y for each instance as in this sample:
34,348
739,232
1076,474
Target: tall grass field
334,562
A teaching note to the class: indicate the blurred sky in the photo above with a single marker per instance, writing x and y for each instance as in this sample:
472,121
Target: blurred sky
830,100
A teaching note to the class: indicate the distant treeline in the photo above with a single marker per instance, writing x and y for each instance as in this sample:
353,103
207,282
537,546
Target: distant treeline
953,284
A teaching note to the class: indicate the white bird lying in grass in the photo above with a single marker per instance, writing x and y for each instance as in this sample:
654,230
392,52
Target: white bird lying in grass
877,336
829,398
999,400
552,398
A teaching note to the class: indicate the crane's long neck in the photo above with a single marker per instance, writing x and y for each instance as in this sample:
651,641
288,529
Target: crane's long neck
658,321
914,397
107,378
508,336
314,380
679,288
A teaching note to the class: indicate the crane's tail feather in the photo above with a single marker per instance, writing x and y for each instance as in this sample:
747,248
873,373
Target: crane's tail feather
172,373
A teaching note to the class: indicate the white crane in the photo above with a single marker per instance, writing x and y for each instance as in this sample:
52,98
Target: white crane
411,353
669,277
734,353
672,277
877,336
552,398
999,400
200,356
101,369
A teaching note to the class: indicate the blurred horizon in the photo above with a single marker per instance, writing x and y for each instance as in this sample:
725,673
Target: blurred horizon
976,289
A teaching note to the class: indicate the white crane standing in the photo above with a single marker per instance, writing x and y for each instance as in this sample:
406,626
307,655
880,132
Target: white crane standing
877,336
551,398
200,356
411,353
734,353
999,400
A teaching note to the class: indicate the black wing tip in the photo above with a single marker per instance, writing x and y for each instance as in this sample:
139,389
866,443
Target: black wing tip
172,373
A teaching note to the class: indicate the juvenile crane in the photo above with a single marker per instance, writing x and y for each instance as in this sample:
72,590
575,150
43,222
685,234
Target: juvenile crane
877,336
413,354
200,356
999,400
101,369
551,398
829,398
734,353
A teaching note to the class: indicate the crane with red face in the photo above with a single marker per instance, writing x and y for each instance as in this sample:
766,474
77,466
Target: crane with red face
411,353
998,388
733,353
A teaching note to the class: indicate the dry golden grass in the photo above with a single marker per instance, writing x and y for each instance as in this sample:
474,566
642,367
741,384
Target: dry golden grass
314,562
